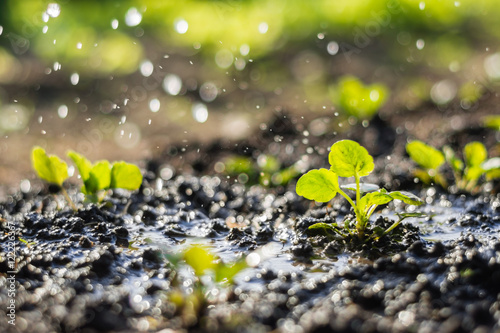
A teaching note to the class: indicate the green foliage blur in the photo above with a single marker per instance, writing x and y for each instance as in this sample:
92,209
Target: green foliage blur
115,34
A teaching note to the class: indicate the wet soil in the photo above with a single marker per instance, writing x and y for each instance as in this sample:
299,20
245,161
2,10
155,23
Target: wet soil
104,267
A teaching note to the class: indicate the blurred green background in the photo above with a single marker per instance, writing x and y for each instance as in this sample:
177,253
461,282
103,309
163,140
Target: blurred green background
127,78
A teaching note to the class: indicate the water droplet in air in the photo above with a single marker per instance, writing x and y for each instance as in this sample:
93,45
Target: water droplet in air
263,27
57,66
374,95
492,66
45,29
420,44
62,111
53,10
181,26
443,91
1,30
224,58
421,5
332,48
321,35
114,24
40,119
127,135
200,112
154,105
172,84
146,68
133,17
244,49
208,91
75,78
25,186
79,46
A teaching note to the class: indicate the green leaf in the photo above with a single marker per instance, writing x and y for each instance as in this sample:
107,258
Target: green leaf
375,198
227,272
474,154
125,175
406,197
493,174
473,173
363,187
456,164
83,165
49,167
321,229
200,259
99,177
318,185
348,158
424,155
415,214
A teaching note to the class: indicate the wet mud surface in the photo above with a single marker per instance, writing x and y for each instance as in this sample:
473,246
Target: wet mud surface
104,267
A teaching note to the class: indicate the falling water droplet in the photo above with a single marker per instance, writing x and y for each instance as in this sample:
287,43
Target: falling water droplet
332,48
133,17
146,68
57,66
53,10
420,44
114,24
244,49
492,66
172,84
154,105
208,91
421,5
75,78
45,29
224,58
443,91
1,30
62,111
181,26
263,27
79,45
200,112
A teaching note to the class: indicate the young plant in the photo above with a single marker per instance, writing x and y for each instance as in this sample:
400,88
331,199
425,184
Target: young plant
358,100
97,178
430,160
204,264
102,176
51,169
348,159
467,173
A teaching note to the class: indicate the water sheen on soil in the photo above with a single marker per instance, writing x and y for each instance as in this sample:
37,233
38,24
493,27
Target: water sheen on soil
103,268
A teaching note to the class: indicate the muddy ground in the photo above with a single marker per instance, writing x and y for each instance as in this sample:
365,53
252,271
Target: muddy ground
104,269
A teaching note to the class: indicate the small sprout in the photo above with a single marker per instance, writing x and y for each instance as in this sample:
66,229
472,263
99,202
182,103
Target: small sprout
348,159
466,173
102,176
358,100
51,169
28,244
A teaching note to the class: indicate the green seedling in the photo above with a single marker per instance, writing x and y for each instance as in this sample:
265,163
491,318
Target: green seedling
51,169
466,172
266,171
356,99
102,176
430,160
206,268
348,159
97,178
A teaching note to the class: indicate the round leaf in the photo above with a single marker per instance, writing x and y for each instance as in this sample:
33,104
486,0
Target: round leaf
318,185
406,197
49,167
199,259
348,158
426,156
474,154
125,175
84,166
